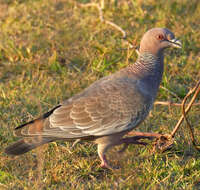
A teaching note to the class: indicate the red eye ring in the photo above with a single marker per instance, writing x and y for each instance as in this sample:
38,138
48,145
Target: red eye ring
160,37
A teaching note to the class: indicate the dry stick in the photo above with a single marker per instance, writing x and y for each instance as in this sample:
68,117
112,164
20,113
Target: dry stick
117,27
196,90
102,18
169,138
188,107
173,104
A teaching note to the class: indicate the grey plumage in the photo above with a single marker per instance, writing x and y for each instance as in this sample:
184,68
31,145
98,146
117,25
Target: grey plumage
110,107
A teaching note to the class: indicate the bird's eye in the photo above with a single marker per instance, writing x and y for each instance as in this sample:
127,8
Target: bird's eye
160,37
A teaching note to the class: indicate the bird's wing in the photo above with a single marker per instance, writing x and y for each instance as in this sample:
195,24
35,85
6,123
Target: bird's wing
105,108
109,108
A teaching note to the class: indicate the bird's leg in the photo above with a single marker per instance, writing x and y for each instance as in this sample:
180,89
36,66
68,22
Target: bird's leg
133,140
102,149
104,161
145,134
137,136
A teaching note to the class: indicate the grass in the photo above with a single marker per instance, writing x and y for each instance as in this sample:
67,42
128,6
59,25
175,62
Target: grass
50,50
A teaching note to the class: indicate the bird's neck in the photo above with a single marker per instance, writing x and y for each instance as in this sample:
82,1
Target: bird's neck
148,69
148,65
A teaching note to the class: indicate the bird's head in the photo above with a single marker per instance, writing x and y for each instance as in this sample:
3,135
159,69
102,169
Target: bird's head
156,40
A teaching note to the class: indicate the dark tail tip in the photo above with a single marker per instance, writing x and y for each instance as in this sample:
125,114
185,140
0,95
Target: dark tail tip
20,147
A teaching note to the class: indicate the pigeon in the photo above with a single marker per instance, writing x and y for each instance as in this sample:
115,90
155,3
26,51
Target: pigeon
108,109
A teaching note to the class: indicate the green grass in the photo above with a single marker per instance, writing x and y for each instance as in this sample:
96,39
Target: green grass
50,50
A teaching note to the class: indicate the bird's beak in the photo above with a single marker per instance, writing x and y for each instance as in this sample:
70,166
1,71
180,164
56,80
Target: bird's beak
175,43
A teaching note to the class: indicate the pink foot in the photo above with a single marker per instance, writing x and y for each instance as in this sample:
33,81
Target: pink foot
105,165
104,162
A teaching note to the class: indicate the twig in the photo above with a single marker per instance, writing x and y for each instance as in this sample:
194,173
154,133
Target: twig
188,107
196,90
94,5
117,27
102,18
173,104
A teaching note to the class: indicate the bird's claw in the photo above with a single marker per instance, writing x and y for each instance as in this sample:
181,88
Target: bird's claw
163,143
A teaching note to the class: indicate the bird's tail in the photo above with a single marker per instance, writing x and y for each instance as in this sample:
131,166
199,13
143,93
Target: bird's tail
32,133
24,145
